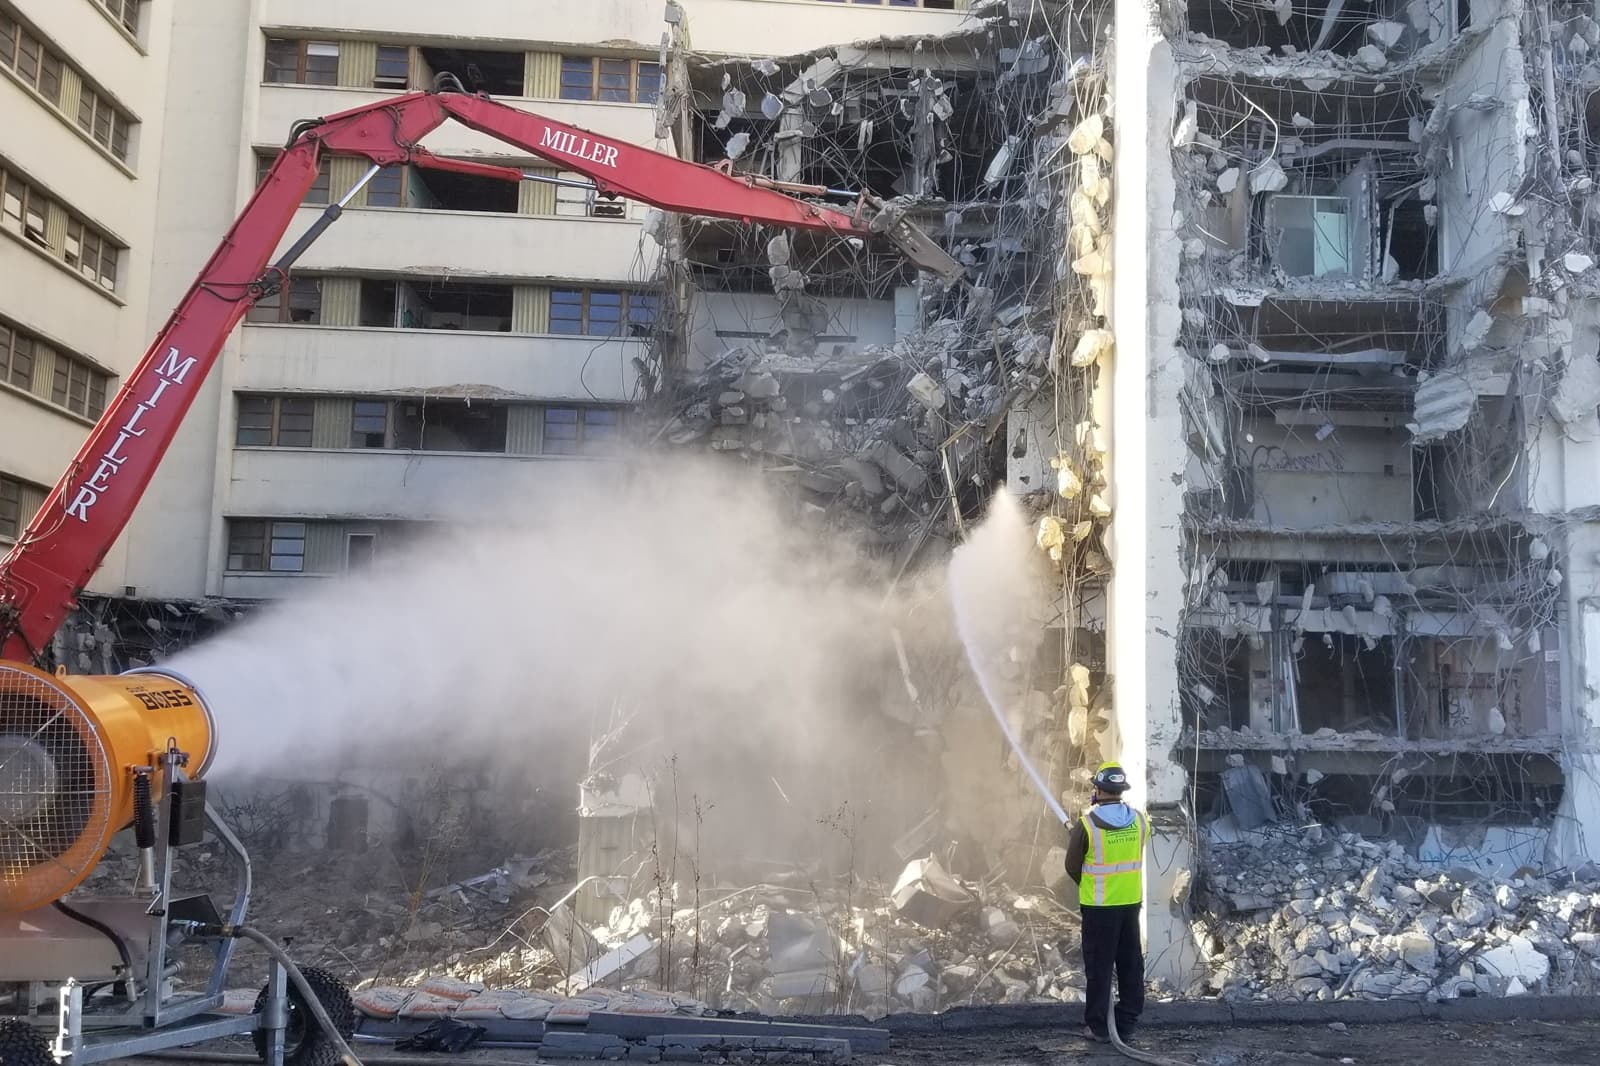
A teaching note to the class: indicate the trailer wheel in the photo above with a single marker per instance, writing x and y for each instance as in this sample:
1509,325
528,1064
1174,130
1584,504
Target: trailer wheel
304,1042
23,1045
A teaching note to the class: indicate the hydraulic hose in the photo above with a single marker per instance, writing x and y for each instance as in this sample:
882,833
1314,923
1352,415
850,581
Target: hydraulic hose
312,1004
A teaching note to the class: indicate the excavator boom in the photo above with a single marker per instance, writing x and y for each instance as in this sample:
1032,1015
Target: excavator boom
42,576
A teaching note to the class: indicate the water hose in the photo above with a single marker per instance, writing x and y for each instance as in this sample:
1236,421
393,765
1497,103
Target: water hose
314,1005
1134,1053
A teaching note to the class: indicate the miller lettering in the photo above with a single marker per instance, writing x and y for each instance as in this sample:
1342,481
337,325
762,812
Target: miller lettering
169,372
575,147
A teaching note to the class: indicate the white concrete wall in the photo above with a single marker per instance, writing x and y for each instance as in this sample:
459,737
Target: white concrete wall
733,27
869,321
346,360
206,170
477,244
421,486
38,441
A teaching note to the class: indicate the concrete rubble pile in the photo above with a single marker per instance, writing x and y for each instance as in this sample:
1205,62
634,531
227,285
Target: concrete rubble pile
881,433
1315,914
930,944
353,915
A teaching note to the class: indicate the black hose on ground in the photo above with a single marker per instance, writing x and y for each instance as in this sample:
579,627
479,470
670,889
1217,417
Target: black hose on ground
312,1004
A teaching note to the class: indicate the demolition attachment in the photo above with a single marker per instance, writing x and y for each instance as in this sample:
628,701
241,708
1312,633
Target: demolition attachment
80,758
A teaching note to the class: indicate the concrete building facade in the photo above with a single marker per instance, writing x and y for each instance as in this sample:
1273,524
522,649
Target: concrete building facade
83,95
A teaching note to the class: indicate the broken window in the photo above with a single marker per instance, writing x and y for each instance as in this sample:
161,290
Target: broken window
92,254
1321,25
614,80
1217,672
442,190
302,62
454,305
601,312
260,546
317,194
495,73
299,302
581,430
575,202
274,422
360,549
1309,236
379,300
450,426
1346,683
1410,244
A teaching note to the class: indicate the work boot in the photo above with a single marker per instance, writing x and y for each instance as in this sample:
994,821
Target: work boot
1090,1033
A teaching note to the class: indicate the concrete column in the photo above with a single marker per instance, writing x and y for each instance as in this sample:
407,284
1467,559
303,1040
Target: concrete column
1147,462
1573,835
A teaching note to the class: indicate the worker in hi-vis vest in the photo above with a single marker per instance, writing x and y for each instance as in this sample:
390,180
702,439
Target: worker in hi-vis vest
1105,856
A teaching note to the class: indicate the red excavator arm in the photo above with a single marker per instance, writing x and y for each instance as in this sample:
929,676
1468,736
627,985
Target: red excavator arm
41,577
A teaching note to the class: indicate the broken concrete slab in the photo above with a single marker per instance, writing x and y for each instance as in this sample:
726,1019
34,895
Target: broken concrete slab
926,894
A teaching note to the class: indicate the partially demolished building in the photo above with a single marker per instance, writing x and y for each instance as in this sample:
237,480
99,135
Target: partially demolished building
1283,318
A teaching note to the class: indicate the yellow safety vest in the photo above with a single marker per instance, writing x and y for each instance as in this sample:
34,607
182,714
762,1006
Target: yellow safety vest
1113,865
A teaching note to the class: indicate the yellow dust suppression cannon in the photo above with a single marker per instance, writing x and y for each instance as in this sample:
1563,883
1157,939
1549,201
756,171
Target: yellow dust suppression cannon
80,759
94,977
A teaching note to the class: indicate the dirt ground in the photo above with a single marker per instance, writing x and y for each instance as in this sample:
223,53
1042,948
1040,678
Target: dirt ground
1527,1043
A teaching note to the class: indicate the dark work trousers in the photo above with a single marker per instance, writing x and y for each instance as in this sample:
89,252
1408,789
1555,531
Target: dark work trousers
1111,941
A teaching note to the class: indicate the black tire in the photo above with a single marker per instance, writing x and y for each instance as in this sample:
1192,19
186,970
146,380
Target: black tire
23,1045
304,1042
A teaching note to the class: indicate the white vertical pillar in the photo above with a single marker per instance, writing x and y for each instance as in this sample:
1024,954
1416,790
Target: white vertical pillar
1148,460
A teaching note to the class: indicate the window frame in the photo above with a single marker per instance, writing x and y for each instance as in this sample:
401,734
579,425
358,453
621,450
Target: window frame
11,508
634,93
118,11
77,385
14,36
115,133
277,417
97,256
302,65
628,300
96,382
580,440
386,409
395,174
263,535
13,341
380,80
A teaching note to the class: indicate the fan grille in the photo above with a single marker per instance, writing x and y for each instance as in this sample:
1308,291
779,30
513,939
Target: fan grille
55,793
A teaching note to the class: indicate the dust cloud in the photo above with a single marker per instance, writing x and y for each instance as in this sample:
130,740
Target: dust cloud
753,652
